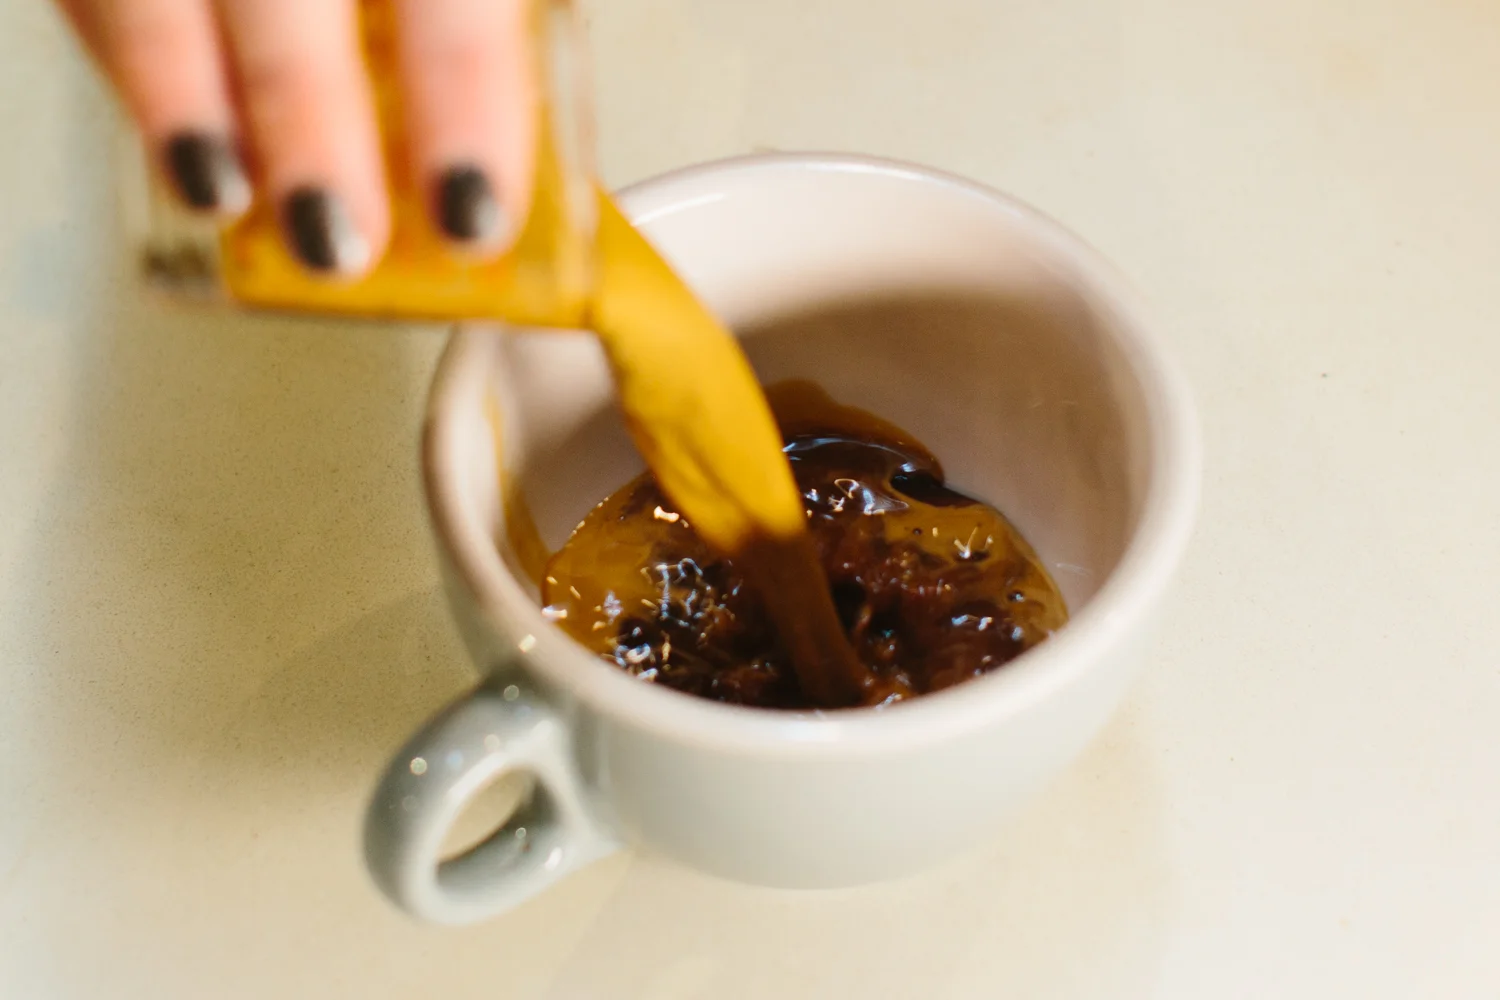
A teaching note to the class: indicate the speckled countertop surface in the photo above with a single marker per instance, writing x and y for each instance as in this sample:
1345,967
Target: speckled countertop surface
218,606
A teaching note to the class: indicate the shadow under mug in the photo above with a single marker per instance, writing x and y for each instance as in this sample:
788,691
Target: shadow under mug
1002,342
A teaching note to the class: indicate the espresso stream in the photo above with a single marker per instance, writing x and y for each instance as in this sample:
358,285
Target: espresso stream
928,587
698,417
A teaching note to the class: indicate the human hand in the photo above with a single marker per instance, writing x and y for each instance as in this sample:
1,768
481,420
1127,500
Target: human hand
272,95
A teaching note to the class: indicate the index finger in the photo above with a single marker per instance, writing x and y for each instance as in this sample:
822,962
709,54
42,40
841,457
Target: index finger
310,116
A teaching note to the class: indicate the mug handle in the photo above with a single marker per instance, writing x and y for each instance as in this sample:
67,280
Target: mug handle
499,728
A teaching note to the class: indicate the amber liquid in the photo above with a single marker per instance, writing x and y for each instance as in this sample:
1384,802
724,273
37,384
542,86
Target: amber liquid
931,587
700,420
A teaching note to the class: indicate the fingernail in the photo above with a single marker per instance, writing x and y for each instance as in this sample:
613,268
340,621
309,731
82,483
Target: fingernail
466,207
207,172
322,232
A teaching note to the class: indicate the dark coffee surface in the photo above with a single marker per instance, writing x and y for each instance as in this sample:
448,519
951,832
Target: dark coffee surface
932,587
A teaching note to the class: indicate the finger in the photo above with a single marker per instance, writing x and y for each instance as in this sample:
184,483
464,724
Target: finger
310,117
165,59
470,92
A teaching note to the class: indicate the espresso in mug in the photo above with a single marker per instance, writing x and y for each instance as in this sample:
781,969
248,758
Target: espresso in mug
932,587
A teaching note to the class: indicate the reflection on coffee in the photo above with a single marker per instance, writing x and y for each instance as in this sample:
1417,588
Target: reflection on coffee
932,587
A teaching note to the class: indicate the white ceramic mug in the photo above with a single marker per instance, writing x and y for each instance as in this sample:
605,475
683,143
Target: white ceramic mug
1002,342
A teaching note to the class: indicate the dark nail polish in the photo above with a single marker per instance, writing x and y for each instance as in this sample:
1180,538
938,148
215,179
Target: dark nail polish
207,172
322,232
466,207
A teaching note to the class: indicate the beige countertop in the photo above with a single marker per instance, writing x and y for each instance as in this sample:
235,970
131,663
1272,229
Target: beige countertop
219,611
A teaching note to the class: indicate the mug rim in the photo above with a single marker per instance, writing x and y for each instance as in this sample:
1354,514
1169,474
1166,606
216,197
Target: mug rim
1157,542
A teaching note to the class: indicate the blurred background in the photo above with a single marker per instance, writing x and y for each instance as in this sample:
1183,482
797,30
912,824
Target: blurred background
219,609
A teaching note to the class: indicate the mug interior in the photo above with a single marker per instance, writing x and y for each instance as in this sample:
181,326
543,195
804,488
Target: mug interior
998,340
926,309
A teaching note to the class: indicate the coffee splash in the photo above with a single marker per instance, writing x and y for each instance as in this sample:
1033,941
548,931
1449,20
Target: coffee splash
928,587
